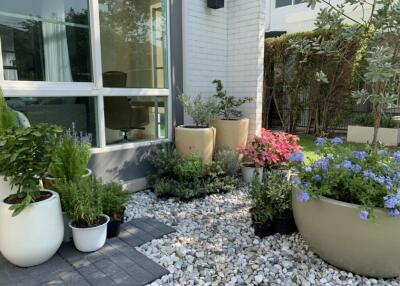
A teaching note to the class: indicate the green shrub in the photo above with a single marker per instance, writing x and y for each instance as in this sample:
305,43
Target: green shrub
189,169
164,160
368,119
113,199
7,117
84,202
70,159
228,160
203,112
227,105
271,199
25,156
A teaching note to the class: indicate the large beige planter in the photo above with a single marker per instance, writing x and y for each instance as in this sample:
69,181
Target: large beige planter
361,134
195,142
335,232
232,134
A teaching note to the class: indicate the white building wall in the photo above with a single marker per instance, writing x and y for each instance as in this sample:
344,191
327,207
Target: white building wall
225,44
297,18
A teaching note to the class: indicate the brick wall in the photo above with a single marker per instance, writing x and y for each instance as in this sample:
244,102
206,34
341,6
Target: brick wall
226,44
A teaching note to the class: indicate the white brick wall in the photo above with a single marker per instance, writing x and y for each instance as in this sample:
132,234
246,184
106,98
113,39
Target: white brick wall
226,44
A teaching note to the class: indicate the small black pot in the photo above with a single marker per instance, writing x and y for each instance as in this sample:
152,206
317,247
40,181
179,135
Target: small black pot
285,224
263,229
114,228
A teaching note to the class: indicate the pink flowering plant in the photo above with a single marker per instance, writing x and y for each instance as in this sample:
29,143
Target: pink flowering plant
271,148
369,177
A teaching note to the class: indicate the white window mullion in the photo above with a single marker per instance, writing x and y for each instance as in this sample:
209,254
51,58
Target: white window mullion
97,68
1,66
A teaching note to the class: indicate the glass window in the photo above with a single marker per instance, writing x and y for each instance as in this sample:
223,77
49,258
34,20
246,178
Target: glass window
282,3
78,113
299,1
45,40
132,119
133,40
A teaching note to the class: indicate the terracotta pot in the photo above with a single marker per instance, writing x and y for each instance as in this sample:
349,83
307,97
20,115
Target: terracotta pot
232,134
191,141
334,231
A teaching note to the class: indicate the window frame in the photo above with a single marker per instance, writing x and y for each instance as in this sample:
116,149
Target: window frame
95,88
289,5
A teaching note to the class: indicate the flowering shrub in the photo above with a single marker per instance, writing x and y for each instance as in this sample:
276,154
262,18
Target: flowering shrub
369,178
271,148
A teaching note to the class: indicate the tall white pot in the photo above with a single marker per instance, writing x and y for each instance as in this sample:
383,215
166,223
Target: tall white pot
33,236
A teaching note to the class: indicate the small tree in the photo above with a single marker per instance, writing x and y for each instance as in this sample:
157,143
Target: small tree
227,105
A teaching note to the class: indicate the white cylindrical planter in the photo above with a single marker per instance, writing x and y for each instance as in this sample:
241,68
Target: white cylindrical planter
249,173
33,236
90,239
49,181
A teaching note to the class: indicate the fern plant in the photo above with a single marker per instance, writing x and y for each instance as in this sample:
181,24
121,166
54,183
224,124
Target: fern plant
70,159
7,118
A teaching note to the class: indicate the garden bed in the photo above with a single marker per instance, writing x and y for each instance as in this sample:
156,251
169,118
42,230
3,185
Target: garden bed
215,243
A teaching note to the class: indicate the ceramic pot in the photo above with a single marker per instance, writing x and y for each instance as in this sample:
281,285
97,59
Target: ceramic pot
249,172
192,141
33,236
232,134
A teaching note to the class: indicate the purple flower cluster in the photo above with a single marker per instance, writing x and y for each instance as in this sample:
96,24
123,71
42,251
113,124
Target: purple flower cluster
303,197
320,141
317,178
363,215
396,156
322,163
392,202
349,166
368,174
337,141
296,157
360,155
383,152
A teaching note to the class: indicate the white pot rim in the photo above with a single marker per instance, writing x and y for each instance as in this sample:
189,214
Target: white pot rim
184,127
90,228
54,196
47,176
243,164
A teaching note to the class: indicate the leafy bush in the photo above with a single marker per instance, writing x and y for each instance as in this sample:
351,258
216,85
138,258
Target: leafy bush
164,160
203,112
187,178
227,105
113,199
25,155
368,120
270,148
7,118
369,178
190,169
82,202
272,198
228,160
70,159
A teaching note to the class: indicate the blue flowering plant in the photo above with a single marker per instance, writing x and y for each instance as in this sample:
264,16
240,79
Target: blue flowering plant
369,178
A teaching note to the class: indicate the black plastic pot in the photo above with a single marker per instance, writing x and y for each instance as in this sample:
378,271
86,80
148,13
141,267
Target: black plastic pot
263,229
285,224
113,228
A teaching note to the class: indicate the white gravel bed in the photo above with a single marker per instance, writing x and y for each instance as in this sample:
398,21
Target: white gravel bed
215,245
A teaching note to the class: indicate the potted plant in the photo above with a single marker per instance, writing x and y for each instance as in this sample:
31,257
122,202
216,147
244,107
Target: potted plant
7,120
362,130
114,199
197,139
232,128
88,223
272,210
270,149
31,224
69,162
355,197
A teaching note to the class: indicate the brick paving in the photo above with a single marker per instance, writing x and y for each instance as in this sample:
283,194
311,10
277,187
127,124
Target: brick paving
117,263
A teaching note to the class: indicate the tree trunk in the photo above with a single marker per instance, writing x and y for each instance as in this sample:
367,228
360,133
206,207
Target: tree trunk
377,124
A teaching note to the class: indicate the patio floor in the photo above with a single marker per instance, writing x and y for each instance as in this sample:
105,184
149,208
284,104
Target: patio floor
117,263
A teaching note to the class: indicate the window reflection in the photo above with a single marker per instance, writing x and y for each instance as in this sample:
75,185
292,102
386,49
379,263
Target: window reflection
133,43
132,119
45,40
68,112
